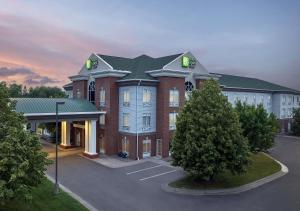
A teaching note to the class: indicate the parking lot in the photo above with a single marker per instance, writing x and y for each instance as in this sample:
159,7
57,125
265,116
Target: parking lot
138,187
152,172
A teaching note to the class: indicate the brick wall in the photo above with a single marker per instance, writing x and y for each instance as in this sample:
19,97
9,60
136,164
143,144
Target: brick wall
163,108
82,86
110,131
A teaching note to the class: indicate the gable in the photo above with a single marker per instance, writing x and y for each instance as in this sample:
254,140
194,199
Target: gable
192,64
96,64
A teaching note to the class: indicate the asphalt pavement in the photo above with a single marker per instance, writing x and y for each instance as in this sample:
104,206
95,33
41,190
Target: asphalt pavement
138,187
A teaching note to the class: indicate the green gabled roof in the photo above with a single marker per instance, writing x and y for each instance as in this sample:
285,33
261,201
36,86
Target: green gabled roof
139,65
47,105
232,81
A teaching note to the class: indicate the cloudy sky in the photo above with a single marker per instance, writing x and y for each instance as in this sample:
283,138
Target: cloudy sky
44,42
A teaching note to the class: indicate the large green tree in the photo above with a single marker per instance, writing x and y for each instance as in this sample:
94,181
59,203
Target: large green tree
46,92
258,126
208,139
296,122
22,163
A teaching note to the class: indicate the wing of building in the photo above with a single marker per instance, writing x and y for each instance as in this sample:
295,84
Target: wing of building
141,97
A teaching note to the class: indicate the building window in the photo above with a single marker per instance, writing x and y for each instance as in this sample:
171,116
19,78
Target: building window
188,86
269,101
125,145
92,92
146,97
254,100
172,121
283,100
290,100
146,121
126,98
102,97
78,94
174,98
126,121
146,148
102,119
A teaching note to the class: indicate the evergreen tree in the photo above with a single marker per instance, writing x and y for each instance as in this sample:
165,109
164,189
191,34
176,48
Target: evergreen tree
22,163
208,139
258,126
296,122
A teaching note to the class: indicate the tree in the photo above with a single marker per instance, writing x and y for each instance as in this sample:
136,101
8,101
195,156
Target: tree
208,139
295,127
22,163
15,90
46,92
258,126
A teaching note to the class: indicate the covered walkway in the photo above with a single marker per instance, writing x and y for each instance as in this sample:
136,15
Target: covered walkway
79,120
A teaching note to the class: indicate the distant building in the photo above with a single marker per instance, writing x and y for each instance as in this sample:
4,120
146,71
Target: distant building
141,97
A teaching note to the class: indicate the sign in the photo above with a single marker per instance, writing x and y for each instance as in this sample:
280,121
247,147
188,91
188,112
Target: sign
188,62
91,64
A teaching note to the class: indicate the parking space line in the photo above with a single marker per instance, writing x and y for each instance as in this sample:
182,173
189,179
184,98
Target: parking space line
157,175
143,169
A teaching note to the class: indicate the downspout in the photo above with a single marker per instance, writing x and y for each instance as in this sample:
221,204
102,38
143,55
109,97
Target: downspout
136,120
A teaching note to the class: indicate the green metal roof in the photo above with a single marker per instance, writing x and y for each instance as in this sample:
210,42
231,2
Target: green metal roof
139,65
48,105
232,81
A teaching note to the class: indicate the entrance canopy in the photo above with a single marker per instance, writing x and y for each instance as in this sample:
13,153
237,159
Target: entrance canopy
43,109
74,111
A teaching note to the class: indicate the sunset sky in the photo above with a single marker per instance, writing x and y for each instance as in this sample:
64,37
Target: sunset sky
44,42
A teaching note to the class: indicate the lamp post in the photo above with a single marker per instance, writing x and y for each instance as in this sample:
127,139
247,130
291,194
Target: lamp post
56,186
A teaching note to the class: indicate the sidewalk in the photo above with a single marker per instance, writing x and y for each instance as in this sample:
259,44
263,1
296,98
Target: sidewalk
117,162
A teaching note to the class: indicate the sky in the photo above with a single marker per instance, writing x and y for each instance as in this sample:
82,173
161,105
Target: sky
45,42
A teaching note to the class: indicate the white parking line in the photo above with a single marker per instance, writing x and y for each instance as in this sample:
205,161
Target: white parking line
143,169
157,175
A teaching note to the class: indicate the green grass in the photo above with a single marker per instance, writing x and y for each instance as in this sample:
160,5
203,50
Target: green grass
261,166
44,199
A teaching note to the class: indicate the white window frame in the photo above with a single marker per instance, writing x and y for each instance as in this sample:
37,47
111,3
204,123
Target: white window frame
172,120
126,121
125,145
102,119
147,152
147,117
126,98
102,97
146,97
174,97
78,94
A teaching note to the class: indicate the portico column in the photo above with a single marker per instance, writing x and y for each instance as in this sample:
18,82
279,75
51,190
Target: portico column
90,139
65,134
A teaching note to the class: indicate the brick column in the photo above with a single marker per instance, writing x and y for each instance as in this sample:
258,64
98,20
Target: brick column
163,108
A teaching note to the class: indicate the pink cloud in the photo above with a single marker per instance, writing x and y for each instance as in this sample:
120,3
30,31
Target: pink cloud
47,49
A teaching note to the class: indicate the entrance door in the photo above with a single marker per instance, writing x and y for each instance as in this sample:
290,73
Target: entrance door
158,147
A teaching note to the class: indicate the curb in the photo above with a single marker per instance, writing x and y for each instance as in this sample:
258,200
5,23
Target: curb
229,191
287,136
74,195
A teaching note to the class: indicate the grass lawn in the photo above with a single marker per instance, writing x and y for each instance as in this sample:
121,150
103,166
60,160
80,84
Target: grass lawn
44,199
261,166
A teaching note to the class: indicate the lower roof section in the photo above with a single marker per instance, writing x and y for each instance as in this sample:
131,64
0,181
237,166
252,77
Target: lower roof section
45,108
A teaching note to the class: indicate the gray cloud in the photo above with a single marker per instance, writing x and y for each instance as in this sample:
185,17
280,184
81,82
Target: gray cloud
31,78
5,72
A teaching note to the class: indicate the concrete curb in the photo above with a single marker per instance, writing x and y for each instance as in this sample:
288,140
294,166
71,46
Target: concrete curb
287,136
228,191
74,195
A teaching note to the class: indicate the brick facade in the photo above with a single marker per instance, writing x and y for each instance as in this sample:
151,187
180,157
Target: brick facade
110,130
163,109
82,87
